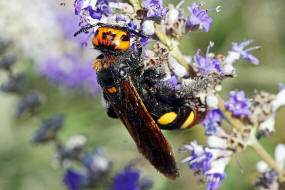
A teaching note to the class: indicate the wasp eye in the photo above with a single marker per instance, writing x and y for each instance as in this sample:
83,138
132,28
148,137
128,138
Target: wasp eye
122,73
125,38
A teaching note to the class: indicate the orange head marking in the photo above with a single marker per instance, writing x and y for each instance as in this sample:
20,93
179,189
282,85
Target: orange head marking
111,39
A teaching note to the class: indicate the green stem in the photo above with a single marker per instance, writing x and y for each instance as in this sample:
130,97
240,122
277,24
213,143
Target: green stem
255,145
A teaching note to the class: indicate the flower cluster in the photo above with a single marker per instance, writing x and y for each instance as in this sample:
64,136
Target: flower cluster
238,104
69,72
95,167
208,162
268,176
212,121
130,179
167,25
201,79
208,63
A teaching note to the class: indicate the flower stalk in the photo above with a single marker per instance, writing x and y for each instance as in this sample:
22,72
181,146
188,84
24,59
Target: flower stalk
176,53
258,148
174,50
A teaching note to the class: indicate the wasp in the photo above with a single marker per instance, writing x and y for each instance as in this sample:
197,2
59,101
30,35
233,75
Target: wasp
136,96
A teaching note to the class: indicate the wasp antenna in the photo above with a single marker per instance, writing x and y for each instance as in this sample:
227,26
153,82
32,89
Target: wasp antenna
84,29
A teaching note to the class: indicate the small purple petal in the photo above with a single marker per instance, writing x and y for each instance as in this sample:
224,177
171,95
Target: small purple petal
73,179
215,180
198,17
155,8
238,104
126,180
78,6
120,18
239,48
212,121
199,159
206,64
173,82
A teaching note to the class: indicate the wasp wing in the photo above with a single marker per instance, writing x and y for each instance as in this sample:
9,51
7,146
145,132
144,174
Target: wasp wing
143,129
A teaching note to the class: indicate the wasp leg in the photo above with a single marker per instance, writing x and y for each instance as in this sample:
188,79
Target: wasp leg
152,76
109,109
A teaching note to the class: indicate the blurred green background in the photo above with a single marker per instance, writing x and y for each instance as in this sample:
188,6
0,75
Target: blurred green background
25,166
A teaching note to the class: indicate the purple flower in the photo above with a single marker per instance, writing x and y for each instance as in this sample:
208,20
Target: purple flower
73,179
96,163
155,8
173,82
132,26
215,180
199,159
212,121
239,48
207,64
29,104
199,18
120,18
209,161
127,180
48,129
78,6
101,8
6,62
70,72
16,83
238,104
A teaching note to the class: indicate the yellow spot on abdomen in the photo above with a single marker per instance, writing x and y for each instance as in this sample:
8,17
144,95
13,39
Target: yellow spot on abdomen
188,121
167,118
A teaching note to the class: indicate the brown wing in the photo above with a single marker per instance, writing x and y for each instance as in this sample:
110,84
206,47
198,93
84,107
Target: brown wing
143,129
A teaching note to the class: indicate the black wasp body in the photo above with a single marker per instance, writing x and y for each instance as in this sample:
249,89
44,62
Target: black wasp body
137,96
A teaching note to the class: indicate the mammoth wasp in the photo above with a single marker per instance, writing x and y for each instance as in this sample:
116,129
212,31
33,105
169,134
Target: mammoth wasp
136,96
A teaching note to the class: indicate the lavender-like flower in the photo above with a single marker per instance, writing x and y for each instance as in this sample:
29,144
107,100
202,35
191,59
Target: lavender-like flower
29,104
268,177
155,9
129,179
96,163
48,129
16,83
238,104
73,179
199,18
280,98
101,8
244,53
208,162
212,121
199,159
78,4
71,151
215,180
173,82
207,64
70,72
6,62
96,11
